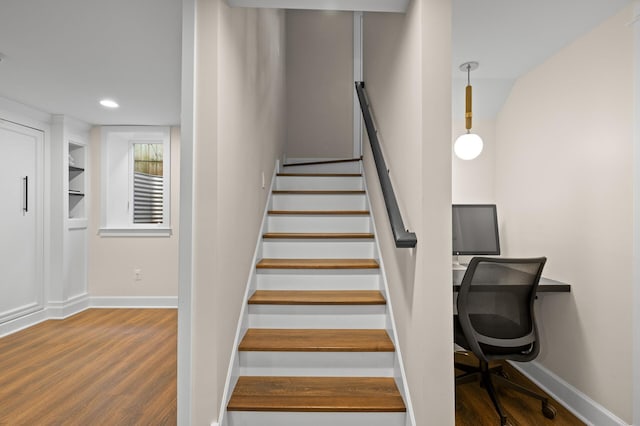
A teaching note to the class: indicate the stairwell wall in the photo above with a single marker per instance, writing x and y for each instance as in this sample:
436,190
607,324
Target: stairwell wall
240,132
407,67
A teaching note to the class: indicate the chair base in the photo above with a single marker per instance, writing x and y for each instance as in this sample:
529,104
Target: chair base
485,374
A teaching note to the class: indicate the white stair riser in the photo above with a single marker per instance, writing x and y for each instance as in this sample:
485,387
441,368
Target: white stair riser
318,223
332,364
318,249
279,279
314,182
349,167
316,317
253,418
318,202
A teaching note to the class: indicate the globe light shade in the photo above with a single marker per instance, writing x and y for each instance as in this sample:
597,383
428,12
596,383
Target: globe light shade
468,146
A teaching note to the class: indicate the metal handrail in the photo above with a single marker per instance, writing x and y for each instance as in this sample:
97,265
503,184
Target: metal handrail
402,236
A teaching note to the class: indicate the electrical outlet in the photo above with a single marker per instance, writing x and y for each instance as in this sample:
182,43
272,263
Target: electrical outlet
137,274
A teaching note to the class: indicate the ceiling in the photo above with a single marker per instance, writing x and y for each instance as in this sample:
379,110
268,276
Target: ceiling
510,37
63,56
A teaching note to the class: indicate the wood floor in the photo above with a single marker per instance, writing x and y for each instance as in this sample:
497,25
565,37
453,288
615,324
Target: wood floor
118,367
474,408
99,367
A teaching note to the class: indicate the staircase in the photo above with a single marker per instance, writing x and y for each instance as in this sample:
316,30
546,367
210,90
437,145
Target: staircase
316,342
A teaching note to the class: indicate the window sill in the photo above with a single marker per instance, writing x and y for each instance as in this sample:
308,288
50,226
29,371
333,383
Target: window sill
134,232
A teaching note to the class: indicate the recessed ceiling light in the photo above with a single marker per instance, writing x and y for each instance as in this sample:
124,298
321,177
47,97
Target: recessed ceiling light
109,103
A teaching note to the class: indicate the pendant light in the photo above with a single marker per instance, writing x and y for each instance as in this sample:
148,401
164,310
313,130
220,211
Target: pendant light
469,145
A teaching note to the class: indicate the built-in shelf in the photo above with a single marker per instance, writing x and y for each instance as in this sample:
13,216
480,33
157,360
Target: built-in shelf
77,180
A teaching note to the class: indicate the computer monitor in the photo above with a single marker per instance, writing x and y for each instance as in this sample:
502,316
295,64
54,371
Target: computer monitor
475,229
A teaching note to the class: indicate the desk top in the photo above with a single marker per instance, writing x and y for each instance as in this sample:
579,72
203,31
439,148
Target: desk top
546,285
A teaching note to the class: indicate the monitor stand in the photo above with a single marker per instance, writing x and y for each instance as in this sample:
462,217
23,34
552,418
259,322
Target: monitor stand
457,266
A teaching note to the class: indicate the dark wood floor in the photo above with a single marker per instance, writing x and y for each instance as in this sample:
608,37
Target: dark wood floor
99,367
474,407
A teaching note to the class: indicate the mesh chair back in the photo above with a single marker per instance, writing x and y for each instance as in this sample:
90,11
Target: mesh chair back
495,307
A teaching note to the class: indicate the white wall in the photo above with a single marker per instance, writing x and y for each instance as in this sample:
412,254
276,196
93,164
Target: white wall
408,79
473,181
636,222
112,260
319,84
240,132
564,189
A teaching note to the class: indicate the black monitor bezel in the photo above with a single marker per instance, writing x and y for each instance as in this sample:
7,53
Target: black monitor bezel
495,228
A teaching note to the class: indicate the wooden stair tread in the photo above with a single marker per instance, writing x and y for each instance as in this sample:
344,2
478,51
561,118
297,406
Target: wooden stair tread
316,340
319,212
317,264
319,191
320,174
318,235
316,394
317,297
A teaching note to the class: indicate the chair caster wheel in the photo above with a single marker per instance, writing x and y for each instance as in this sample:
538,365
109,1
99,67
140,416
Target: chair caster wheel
505,422
549,411
504,375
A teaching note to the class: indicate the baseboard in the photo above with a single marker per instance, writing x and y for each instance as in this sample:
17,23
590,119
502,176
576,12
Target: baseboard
58,310
583,407
23,322
134,302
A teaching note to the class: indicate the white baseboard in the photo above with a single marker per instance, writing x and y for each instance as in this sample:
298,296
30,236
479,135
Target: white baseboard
58,310
134,302
23,322
61,310
583,407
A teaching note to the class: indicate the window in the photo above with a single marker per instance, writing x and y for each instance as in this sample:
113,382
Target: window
148,194
135,190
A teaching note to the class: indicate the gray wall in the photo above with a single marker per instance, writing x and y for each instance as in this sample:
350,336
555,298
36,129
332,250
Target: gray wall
319,84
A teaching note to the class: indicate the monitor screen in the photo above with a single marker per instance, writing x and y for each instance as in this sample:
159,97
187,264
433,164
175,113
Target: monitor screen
475,229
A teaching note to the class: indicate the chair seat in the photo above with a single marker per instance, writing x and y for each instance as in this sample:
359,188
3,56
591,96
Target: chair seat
495,326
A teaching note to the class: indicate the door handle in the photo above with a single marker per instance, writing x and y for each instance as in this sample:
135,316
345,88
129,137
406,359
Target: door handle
25,203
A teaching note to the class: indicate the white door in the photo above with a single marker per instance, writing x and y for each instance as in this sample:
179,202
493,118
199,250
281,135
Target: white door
21,241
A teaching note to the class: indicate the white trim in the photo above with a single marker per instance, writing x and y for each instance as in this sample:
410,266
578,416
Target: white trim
185,243
77,304
134,232
234,365
635,368
583,407
134,302
23,322
116,214
77,223
357,76
398,6
70,307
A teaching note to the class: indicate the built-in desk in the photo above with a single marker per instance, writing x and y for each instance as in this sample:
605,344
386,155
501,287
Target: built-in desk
545,286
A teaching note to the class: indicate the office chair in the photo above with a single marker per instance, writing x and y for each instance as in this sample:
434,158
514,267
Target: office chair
496,321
